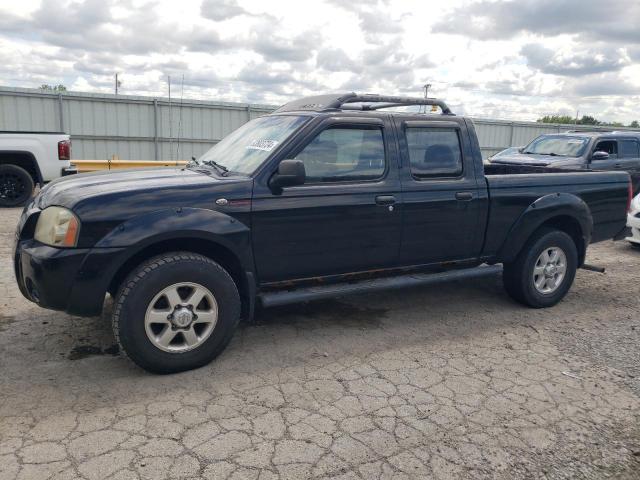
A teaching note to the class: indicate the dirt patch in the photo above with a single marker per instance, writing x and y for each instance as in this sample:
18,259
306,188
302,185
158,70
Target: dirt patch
83,351
5,321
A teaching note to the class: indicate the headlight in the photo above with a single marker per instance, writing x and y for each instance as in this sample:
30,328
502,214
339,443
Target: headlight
57,227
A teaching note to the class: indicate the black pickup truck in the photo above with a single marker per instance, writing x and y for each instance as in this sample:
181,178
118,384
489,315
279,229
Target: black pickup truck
328,195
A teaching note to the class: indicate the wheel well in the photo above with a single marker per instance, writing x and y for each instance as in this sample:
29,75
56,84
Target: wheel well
24,160
212,250
571,227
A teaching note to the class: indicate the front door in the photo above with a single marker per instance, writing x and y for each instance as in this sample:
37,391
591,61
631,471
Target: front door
345,218
609,146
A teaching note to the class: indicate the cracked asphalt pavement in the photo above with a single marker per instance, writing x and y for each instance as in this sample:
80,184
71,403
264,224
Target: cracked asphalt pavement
448,381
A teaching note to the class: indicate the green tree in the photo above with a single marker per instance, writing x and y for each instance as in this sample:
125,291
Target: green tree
54,88
564,119
568,120
634,124
588,120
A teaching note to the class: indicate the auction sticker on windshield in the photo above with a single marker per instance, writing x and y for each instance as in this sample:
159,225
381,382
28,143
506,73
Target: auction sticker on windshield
266,145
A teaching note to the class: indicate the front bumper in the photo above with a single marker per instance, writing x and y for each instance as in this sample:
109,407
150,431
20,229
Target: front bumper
74,280
633,222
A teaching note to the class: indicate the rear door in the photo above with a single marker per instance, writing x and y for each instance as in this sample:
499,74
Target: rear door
345,218
629,153
441,202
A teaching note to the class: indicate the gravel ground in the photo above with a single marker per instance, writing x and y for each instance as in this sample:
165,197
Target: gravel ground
453,381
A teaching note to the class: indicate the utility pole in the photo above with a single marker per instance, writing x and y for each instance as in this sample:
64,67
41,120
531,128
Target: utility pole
426,87
118,83
170,120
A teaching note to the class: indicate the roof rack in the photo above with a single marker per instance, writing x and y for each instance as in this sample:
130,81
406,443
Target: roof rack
589,130
354,101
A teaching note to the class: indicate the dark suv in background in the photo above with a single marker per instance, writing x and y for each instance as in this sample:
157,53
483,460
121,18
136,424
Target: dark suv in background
595,150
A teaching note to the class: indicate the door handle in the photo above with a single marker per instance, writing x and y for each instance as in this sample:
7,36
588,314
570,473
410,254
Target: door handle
464,196
618,165
385,199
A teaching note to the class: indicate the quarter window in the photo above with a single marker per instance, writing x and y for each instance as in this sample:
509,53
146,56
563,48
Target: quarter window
629,149
340,154
434,152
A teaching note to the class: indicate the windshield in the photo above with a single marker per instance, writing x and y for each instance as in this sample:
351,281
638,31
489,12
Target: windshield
561,145
244,150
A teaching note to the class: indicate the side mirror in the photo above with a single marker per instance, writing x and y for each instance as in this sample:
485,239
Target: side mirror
520,149
289,174
599,155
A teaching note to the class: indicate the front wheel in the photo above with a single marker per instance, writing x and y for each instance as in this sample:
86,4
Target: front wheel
544,270
16,186
176,312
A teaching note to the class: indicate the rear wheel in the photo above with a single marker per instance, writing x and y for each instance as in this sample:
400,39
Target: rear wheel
176,312
16,186
544,270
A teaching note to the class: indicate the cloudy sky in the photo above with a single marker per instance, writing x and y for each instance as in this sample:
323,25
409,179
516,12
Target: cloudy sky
488,58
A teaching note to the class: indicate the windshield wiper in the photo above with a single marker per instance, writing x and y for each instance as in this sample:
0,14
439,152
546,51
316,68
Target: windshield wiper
551,154
213,163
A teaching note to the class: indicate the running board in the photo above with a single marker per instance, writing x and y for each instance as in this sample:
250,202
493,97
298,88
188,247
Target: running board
272,299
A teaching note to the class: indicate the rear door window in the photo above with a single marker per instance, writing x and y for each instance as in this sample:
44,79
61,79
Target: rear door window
434,152
629,148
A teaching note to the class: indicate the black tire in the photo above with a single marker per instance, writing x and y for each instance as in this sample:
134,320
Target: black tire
16,186
518,276
140,288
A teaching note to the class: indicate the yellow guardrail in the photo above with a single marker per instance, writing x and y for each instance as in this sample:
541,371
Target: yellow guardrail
95,165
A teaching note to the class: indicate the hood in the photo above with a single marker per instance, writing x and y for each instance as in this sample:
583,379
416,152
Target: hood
535,160
123,194
526,159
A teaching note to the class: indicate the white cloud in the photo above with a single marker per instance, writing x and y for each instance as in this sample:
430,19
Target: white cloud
512,59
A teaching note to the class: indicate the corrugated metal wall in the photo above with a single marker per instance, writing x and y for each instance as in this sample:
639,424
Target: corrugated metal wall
145,128
130,127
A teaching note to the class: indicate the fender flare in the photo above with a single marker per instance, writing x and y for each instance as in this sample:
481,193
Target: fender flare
544,209
140,232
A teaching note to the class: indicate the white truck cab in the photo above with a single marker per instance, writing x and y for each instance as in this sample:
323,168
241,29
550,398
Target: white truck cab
30,158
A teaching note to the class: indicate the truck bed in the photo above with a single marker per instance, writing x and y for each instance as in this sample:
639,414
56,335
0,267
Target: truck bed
513,188
515,169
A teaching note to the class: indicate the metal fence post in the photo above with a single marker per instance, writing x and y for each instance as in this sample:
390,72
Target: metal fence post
248,112
513,127
155,128
60,112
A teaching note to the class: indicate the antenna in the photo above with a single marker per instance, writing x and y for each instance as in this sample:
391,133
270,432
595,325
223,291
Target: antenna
180,119
170,120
